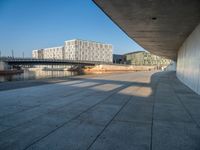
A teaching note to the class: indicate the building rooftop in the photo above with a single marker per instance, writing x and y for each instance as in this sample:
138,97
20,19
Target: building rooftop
87,41
135,52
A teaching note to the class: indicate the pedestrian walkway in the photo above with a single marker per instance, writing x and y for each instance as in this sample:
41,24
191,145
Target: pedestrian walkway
130,111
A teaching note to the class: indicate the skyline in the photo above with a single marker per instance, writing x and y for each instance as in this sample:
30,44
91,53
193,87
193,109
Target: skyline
34,24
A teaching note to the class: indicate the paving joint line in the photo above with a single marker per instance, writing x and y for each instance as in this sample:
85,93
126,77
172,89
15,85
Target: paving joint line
185,108
12,127
153,108
130,97
135,121
58,127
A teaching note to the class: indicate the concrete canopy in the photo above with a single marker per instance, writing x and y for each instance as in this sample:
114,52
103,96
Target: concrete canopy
159,26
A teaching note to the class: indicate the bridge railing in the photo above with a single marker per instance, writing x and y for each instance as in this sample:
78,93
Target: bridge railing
19,59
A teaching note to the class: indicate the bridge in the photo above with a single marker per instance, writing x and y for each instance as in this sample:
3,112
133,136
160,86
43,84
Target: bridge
34,61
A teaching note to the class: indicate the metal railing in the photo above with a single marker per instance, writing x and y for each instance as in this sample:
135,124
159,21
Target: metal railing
35,60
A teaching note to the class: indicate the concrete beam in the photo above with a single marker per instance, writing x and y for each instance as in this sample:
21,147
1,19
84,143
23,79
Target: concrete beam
159,26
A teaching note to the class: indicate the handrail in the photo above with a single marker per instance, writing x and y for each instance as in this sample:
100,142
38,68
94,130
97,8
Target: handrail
19,59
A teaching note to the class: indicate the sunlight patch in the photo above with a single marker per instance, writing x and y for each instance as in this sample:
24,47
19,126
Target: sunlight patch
144,92
69,82
137,91
129,90
85,84
106,87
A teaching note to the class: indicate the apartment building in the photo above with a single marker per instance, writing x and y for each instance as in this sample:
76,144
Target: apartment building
141,58
48,53
53,53
37,54
88,50
77,50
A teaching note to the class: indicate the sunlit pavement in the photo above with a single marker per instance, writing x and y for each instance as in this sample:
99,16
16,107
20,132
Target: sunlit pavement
141,111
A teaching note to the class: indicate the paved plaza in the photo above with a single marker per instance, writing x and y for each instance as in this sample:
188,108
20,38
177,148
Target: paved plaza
129,111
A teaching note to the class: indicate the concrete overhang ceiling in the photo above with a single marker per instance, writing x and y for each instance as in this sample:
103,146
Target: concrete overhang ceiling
159,26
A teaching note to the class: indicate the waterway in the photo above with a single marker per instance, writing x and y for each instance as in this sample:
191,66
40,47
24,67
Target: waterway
33,74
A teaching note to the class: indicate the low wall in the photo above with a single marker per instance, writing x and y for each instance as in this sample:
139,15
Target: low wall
111,68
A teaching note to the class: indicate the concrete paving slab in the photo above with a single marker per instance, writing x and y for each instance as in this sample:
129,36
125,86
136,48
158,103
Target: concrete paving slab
3,128
53,119
170,99
52,104
124,135
136,112
76,135
46,123
81,131
93,120
37,95
175,136
105,112
19,137
9,110
189,98
171,113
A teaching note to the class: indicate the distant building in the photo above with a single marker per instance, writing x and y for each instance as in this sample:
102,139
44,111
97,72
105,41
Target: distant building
37,54
77,50
141,58
118,59
53,53
88,50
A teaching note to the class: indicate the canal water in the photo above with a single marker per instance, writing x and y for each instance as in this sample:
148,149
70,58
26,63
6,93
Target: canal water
32,74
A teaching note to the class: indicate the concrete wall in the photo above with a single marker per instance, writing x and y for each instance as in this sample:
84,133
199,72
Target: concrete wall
188,62
112,68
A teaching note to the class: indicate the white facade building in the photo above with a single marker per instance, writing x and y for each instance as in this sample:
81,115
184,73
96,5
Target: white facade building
48,53
88,50
77,50
37,54
53,53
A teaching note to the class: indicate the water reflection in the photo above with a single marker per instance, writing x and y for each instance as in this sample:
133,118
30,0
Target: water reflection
34,73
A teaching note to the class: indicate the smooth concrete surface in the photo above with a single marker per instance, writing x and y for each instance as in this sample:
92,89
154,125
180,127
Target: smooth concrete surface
188,64
141,111
159,26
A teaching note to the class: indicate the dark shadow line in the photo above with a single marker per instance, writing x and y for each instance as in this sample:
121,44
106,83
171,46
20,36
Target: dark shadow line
153,108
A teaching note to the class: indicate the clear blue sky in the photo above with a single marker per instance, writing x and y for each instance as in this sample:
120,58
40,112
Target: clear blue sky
32,24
